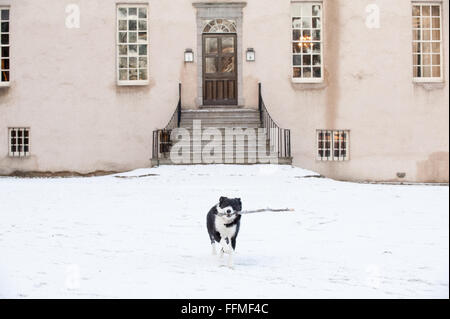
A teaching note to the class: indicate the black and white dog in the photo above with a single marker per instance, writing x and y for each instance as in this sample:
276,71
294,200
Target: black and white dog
223,222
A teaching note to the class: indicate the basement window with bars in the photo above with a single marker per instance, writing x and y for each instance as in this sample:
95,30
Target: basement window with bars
332,145
4,47
19,142
132,44
427,42
307,41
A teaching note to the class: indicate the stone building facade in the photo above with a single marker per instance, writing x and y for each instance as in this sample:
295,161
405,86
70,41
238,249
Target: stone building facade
361,85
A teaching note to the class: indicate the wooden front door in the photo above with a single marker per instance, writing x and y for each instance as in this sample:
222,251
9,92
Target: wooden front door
219,69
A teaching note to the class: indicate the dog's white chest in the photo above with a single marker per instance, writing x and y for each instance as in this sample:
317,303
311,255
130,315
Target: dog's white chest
223,230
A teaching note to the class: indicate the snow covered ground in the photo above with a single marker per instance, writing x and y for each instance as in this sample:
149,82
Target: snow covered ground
145,237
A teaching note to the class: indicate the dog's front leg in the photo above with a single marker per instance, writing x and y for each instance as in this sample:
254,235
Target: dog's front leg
226,245
222,249
230,258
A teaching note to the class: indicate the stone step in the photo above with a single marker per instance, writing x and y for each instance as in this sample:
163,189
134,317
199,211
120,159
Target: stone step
234,145
223,161
218,114
233,156
222,125
168,161
235,142
219,125
223,118
219,110
237,130
236,134
237,108
239,121
224,150
233,152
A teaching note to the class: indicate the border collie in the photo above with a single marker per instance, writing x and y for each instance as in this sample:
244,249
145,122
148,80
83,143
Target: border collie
223,222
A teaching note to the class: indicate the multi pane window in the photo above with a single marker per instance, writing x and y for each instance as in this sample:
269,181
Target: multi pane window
4,46
307,41
219,26
427,42
132,44
332,145
19,142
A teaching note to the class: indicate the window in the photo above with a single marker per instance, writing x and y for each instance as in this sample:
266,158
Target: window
427,42
19,142
332,145
132,44
4,46
306,42
220,26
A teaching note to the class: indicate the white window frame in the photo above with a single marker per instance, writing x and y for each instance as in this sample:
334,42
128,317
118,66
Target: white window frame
311,79
332,157
6,83
428,79
22,153
132,82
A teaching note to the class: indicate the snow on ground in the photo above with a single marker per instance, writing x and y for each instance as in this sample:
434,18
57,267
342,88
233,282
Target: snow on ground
145,237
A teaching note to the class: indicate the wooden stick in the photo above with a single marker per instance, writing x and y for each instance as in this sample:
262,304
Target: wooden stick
266,210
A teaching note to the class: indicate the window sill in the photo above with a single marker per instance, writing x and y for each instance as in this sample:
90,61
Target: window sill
132,83
300,85
430,85
428,80
4,84
307,81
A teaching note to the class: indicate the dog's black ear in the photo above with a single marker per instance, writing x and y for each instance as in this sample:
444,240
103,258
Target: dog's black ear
240,204
221,199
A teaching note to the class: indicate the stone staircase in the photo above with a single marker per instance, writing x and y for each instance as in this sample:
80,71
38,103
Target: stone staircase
238,138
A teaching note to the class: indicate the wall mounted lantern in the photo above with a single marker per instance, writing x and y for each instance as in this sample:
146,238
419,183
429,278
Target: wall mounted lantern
250,54
188,56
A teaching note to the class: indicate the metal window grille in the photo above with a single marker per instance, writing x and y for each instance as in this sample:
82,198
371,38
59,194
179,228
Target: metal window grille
19,142
332,145
4,46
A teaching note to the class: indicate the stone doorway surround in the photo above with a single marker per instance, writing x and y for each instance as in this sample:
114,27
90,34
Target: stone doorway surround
219,10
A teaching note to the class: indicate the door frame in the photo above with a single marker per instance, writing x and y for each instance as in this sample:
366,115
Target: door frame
207,11
236,71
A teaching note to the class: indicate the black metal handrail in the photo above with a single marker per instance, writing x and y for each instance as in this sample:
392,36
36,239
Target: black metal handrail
279,138
161,137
